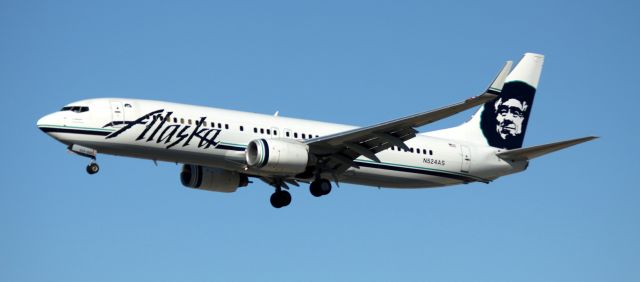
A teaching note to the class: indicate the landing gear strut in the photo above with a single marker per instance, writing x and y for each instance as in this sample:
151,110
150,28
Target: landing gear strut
320,187
87,152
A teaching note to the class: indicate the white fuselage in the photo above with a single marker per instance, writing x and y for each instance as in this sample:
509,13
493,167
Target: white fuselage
217,138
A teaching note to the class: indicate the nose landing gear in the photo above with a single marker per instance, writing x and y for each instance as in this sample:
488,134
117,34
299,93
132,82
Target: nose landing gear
87,152
93,168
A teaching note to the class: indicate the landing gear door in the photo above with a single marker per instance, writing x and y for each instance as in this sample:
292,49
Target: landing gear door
117,114
466,158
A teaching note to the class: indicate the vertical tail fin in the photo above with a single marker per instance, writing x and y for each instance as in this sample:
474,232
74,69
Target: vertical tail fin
502,122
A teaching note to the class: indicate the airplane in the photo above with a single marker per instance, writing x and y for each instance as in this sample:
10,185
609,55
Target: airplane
220,149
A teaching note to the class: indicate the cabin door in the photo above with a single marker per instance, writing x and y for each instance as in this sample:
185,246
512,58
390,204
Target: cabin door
466,158
117,114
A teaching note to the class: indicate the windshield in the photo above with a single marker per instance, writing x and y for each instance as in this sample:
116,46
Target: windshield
75,109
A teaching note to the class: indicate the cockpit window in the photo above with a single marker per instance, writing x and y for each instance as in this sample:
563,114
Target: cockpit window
75,109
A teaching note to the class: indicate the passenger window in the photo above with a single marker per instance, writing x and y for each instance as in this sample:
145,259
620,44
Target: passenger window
226,126
430,152
304,136
189,121
295,135
220,125
287,133
268,131
182,120
241,128
213,125
261,130
275,132
255,130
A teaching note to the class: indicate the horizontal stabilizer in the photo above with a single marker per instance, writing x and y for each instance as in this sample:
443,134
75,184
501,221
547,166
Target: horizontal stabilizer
524,154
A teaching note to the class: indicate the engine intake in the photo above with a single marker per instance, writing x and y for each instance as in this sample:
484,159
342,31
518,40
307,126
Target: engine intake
277,155
212,179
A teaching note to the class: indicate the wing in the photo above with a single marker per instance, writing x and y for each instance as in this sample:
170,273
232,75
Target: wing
336,152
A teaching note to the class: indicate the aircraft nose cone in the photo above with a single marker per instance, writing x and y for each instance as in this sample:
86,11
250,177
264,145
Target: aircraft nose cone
44,121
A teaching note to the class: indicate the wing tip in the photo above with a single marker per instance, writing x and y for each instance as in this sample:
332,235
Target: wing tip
484,97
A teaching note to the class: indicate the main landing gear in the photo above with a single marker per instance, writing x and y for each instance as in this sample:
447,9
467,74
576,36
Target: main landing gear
280,198
320,187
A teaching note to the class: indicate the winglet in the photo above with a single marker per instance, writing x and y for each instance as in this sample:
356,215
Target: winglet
525,154
498,82
494,90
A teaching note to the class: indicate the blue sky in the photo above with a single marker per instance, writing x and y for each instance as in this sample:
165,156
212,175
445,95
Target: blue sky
572,216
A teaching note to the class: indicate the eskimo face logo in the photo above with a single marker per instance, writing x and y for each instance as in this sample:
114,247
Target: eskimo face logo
504,120
509,117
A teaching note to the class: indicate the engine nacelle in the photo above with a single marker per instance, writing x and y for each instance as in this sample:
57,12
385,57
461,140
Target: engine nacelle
212,179
277,155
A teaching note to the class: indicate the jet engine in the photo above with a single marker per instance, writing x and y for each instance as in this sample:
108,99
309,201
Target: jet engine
212,179
277,155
